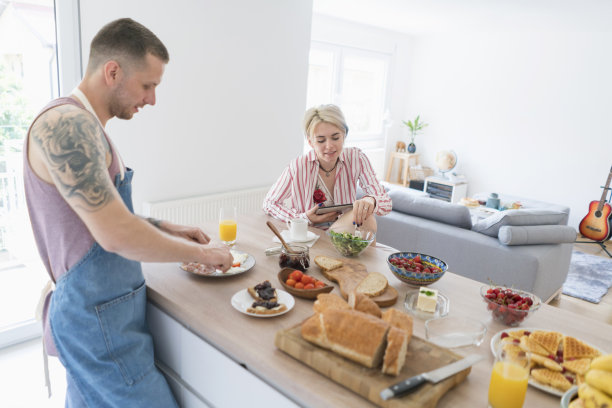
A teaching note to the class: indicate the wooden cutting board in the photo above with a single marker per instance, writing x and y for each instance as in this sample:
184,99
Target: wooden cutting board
351,274
422,356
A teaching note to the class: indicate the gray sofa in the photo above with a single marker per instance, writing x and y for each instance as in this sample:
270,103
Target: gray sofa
529,249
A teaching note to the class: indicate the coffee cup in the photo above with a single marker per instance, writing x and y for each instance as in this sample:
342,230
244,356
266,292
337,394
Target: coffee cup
298,229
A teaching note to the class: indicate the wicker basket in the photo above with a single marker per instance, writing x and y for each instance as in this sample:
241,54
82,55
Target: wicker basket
419,172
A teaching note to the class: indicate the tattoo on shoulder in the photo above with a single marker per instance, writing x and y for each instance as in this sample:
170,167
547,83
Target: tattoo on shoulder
75,147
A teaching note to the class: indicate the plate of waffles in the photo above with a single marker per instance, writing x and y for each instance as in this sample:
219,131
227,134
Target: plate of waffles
558,361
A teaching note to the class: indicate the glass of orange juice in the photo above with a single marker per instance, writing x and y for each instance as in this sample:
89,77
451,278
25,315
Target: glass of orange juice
509,378
228,225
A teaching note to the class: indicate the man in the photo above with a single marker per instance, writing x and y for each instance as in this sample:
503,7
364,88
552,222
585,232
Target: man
79,198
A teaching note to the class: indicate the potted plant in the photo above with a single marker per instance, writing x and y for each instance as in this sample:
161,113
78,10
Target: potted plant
415,127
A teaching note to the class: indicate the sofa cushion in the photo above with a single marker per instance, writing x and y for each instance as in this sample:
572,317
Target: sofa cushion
490,226
432,209
536,234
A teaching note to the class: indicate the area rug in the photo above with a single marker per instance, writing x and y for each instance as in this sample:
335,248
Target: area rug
589,277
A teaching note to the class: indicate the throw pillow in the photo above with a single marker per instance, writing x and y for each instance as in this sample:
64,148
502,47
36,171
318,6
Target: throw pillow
490,226
536,234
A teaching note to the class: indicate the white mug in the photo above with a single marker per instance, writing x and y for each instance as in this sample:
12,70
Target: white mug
298,229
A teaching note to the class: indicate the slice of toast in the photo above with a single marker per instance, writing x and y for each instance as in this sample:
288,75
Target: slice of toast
327,264
548,339
553,378
374,284
574,348
263,292
266,308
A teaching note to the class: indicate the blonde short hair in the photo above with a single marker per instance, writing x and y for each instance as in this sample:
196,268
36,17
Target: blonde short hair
324,114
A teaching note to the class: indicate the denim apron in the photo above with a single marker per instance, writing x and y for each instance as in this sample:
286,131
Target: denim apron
98,321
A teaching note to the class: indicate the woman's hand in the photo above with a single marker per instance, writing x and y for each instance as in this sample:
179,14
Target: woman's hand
316,219
362,209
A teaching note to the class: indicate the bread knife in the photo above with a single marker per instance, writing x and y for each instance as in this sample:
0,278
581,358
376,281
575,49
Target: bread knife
434,376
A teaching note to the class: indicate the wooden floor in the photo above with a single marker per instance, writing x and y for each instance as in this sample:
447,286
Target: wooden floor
601,311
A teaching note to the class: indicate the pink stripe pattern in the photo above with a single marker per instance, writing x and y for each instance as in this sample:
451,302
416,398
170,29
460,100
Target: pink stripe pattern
292,194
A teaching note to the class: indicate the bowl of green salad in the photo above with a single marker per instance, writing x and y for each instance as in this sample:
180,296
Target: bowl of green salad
350,241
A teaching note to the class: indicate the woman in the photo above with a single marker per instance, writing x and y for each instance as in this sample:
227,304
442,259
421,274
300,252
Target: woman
328,175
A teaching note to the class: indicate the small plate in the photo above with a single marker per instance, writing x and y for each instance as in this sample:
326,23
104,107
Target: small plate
454,331
496,339
242,300
309,236
244,267
442,306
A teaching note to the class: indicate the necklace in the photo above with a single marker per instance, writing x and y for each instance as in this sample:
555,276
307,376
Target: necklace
327,172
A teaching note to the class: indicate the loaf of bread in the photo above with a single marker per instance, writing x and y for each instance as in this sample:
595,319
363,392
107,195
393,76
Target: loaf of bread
399,319
355,335
395,353
329,301
374,284
327,264
362,303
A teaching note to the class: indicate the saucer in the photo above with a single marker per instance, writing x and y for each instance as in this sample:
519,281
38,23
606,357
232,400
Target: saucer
309,236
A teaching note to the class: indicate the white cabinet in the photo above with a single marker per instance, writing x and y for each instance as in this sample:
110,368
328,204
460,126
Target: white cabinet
202,376
444,189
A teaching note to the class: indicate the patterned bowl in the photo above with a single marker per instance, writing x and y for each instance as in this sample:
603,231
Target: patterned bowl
415,277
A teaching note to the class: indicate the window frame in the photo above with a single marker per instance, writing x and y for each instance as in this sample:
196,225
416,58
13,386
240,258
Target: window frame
370,140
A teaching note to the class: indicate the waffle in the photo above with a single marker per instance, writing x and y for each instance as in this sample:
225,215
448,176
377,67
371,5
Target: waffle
531,346
517,334
574,348
546,362
548,340
553,378
579,366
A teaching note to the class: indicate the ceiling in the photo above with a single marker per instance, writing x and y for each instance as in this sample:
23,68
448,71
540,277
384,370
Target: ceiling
435,16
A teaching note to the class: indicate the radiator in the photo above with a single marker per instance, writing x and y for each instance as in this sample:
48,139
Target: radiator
198,210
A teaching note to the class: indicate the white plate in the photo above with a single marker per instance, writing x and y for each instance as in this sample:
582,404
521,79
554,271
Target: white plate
309,236
242,300
247,265
497,337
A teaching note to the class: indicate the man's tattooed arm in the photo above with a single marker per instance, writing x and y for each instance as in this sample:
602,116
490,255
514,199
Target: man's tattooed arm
75,151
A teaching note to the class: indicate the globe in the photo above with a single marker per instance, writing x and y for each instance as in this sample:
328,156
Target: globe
446,160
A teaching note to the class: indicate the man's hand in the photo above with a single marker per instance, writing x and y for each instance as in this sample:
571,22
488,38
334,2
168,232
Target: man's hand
316,219
217,256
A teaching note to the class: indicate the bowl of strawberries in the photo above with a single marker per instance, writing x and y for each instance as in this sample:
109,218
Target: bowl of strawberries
509,306
301,284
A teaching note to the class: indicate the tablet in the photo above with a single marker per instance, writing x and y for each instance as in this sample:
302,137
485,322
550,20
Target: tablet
333,208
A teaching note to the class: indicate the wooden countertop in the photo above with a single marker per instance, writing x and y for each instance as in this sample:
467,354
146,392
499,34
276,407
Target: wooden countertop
203,306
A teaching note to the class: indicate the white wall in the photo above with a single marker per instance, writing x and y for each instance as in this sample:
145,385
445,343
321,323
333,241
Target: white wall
526,113
230,105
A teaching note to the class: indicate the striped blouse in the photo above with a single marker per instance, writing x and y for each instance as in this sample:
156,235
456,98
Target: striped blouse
292,194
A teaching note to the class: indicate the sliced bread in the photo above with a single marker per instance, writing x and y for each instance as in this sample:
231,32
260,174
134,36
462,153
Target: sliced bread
328,264
329,301
395,353
362,303
374,284
399,319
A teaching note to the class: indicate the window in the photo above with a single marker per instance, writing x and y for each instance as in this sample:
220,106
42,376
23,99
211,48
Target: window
357,81
28,80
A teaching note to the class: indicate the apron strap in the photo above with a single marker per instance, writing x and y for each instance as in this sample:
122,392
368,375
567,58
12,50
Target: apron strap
49,287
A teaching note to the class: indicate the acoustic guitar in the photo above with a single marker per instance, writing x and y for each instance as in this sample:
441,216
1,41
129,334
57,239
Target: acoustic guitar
597,224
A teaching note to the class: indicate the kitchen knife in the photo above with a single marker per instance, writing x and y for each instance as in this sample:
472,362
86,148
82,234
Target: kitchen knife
434,376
